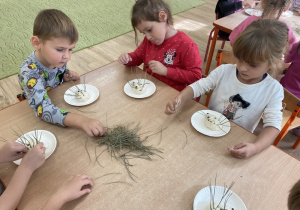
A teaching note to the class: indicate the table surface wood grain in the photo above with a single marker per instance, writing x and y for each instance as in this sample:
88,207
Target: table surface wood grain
170,182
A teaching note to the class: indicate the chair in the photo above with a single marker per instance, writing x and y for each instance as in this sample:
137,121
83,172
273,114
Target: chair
210,37
291,117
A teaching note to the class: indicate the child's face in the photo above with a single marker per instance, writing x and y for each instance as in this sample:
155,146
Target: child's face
251,73
54,53
154,31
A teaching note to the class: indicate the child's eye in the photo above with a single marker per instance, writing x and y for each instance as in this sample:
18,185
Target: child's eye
253,65
70,50
59,50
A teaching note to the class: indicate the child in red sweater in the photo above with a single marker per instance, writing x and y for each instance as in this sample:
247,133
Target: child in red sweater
169,55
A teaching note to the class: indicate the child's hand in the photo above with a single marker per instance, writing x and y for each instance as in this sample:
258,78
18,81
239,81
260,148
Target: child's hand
125,58
12,151
72,188
243,150
171,106
249,3
158,68
92,127
35,157
71,76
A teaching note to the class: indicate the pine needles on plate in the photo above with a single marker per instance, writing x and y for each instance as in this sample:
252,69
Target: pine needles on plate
222,203
29,140
125,143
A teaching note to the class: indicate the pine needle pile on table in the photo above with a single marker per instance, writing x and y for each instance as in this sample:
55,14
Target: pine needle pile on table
125,143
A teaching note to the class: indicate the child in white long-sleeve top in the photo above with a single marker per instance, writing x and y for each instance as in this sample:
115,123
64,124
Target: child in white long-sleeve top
246,86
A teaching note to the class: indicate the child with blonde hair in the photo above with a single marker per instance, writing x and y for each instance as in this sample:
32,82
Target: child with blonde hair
256,93
168,54
272,9
54,38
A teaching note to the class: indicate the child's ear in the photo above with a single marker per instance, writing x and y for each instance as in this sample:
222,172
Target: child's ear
162,16
35,42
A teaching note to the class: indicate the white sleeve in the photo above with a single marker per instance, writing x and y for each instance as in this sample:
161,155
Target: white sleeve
272,115
204,85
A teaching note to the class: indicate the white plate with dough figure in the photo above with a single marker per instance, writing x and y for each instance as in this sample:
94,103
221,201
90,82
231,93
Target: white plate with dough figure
202,199
88,95
145,88
255,12
44,136
222,123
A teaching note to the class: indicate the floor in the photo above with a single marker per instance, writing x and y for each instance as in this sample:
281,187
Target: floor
196,22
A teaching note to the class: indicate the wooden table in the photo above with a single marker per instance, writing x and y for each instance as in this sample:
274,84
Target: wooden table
228,23
262,182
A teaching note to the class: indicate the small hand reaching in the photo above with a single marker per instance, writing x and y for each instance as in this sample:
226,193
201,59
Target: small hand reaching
158,68
35,157
172,106
243,150
71,76
12,151
124,58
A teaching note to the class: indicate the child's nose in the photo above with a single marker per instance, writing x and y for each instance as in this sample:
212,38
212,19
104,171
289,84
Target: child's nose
148,36
67,55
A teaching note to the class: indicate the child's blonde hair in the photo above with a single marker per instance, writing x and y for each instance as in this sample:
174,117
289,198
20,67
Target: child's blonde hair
270,6
148,10
51,23
263,40
294,197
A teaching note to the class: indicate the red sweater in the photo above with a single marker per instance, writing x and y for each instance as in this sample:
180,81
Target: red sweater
179,53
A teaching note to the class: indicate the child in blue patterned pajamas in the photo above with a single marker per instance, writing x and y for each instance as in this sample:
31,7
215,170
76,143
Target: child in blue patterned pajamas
54,37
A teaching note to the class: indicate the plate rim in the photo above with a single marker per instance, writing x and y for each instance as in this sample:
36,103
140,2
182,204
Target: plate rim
133,95
17,162
83,103
207,134
219,188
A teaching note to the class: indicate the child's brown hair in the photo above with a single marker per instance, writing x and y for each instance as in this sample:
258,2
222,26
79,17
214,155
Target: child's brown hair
51,23
148,10
271,6
263,40
294,197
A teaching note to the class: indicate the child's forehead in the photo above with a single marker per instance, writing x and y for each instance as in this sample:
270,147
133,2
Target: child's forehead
60,40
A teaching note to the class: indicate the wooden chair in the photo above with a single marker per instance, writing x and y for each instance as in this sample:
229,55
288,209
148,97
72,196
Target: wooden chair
210,37
291,117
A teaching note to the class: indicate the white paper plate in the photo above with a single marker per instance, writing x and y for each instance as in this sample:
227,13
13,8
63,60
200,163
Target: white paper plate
287,13
202,199
150,89
255,12
46,137
197,121
70,99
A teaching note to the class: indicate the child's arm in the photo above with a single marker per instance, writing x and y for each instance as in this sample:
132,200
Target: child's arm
15,189
70,190
12,151
263,141
91,126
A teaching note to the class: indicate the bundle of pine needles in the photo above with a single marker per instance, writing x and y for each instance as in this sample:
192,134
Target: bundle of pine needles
124,143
